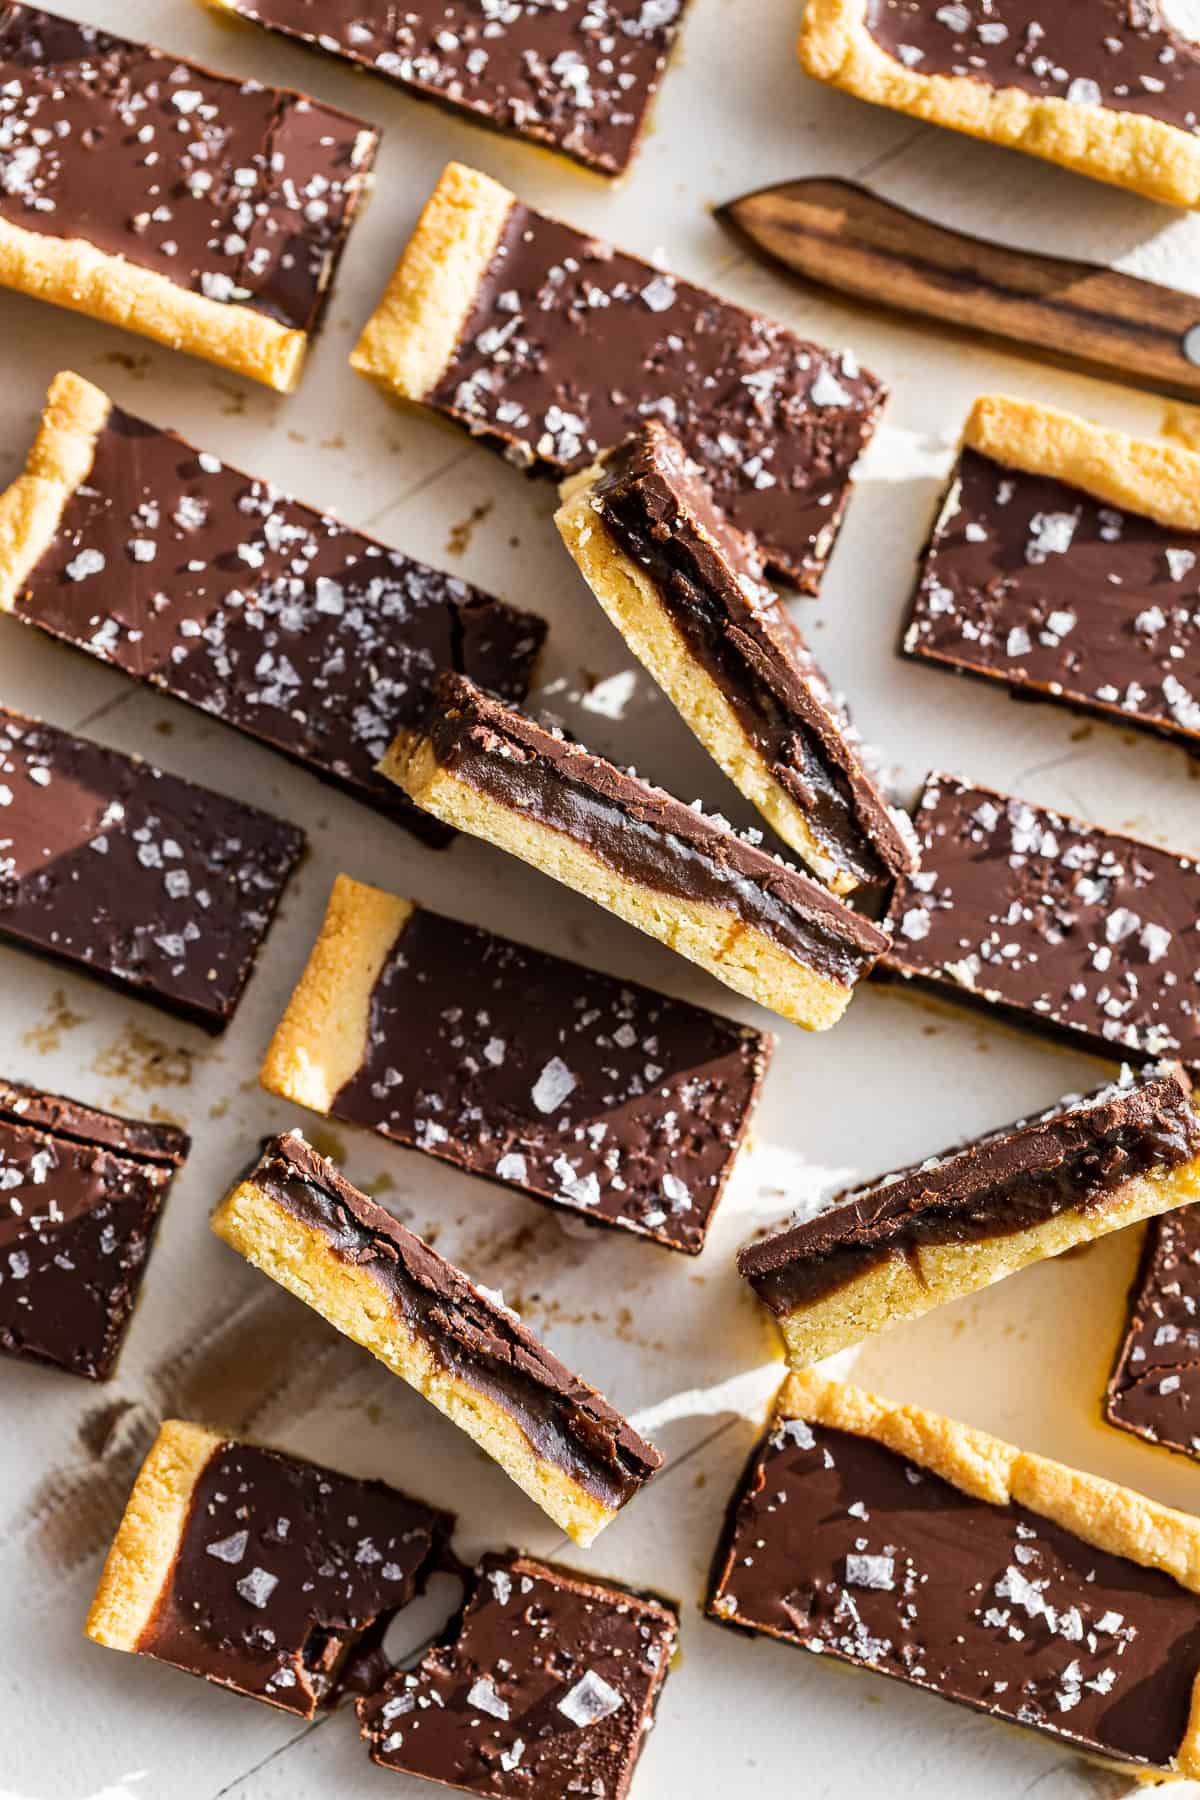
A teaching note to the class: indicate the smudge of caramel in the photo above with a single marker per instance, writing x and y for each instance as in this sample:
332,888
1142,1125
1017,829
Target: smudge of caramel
46,1036
458,542
144,1061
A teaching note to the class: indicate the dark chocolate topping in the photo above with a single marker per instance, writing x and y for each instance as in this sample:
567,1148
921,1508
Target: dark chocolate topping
592,1093
1075,1157
578,75
662,514
80,1196
1116,53
283,1568
571,344
546,1686
843,1547
1065,927
147,881
231,190
1038,584
477,1339
277,619
641,832
1155,1386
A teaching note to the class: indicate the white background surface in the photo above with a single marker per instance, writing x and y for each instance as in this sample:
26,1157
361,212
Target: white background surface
665,1337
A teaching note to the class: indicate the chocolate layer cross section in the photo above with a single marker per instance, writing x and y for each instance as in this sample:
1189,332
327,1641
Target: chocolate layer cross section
894,1540
619,1104
163,889
1065,563
218,589
296,1218
223,210
262,1572
1051,922
552,346
682,876
81,1192
894,1248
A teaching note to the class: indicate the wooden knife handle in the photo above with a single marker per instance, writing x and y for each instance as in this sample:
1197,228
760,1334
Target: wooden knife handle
842,236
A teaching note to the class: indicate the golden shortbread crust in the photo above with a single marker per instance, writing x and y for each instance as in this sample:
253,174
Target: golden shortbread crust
59,461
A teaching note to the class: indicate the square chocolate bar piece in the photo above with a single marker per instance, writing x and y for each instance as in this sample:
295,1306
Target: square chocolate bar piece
545,1686
222,211
1059,926
214,587
262,1572
1065,563
577,76
589,1093
1154,1389
81,1192
552,346
894,1540
159,887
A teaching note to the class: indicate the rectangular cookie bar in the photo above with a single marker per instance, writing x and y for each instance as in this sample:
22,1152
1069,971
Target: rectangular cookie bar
546,1685
81,1192
896,1247
580,1090
893,1539
211,585
222,212
577,77
686,591
296,1218
1065,562
1064,928
1154,1389
1107,88
159,887
682,876
261,1572
553,346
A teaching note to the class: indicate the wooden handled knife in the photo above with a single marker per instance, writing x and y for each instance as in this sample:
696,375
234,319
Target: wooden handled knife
843,236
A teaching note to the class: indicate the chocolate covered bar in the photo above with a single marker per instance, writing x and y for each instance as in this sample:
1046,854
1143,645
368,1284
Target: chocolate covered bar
1106,87
213,586
678,874
159,887
892,1539
577,77
1060,926
686,591
303,1224
262,1572
580,1090
896,1247
80,1196
1154,1390
545,1685
1065,562
222,212
552,346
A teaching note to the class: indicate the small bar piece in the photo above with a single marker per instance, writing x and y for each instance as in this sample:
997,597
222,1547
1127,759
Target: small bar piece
259,1571
1154,1390
224,206
686,591
1108,88
895,1248
552,346
219,590
299,1221
161,888
580,1090
898,1541
81,1192
1065,563
1059,926
577,77
681,876
544,1686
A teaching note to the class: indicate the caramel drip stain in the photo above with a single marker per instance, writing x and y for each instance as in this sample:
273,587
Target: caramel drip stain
46,1036
145,1062
459,540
